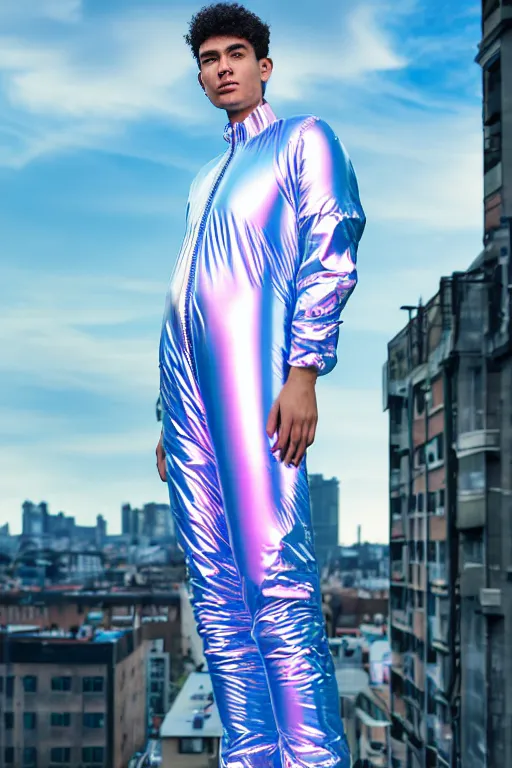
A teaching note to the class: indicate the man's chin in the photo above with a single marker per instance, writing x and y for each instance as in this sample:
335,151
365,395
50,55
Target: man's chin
229,102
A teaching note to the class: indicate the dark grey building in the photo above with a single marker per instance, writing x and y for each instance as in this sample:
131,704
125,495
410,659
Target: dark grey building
484,428
325,514
450,373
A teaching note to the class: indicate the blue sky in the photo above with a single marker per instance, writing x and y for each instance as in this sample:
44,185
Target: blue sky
102,127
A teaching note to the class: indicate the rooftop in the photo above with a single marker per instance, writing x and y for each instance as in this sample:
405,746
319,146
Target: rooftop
194,713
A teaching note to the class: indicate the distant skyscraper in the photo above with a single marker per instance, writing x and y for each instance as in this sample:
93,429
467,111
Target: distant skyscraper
325,513
153,521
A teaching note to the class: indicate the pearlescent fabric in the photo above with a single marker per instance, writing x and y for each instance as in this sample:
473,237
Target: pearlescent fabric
267,264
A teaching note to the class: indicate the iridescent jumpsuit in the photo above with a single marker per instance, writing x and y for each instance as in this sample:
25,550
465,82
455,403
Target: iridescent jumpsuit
265,268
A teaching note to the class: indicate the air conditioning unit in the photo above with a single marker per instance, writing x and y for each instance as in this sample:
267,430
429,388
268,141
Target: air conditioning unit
490,601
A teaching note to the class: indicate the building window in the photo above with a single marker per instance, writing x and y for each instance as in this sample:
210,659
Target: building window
93,684
471,400
60,754
94,719
9,686
9,755
191,746
420,502
29,721
30,757
435,450
61,683
419,457
473,548
471,475
93,755
431,501
30,684
9,721
60,719
419,401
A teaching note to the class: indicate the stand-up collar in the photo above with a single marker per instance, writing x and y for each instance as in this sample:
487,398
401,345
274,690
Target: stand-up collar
257,121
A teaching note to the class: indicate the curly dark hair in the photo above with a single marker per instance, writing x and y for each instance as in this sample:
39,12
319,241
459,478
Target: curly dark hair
230,19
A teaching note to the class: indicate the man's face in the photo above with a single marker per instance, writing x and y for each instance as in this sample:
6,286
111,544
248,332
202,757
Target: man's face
231,74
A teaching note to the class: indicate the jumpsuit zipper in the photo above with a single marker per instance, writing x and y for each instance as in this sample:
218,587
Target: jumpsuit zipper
187,333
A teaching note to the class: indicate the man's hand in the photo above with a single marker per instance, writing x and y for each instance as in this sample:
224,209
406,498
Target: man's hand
294,416
160,460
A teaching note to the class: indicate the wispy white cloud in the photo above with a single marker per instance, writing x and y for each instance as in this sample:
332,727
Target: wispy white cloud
86,87
66,332
355,48
66,11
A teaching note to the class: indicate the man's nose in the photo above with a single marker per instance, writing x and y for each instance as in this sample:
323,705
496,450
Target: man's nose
224,68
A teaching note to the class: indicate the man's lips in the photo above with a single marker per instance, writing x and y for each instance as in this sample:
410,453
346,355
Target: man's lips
227,86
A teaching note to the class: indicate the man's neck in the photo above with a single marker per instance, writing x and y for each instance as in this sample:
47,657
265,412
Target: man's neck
243,114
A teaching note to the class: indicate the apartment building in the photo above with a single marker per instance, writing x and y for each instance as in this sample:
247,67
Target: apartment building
70,702
447,388
422,606
158,685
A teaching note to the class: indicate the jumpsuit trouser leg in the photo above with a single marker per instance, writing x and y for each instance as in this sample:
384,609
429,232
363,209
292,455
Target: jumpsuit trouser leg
250,737
245,523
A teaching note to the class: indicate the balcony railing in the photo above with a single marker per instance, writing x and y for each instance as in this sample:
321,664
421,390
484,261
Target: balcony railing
395,479
438,572
399,617
438,627
397,571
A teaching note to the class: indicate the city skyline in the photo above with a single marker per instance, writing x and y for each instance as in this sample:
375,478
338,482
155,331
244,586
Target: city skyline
99,144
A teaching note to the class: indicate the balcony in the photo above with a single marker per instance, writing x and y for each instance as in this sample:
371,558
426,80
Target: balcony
438,573
374,754
397,571
395,480
435,672
399,619
478,440
443,738
397,528
493,180
472,580
419,624
438,627
492,105
493,15
471,509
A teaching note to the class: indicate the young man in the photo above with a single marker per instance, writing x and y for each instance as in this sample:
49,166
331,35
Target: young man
252,315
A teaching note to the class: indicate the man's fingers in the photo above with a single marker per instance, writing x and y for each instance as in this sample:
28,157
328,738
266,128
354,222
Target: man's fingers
301,450
283,437
291,448
302,445
272,419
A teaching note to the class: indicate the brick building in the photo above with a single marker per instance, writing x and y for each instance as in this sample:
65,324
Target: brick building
71,702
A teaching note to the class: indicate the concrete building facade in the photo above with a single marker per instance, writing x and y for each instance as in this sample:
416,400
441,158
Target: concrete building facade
71,702
448,380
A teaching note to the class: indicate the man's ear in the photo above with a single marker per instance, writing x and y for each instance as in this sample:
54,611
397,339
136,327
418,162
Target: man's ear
266,67
200,81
